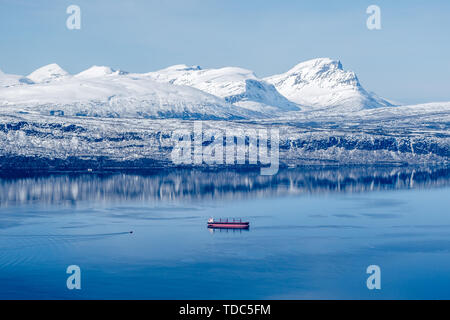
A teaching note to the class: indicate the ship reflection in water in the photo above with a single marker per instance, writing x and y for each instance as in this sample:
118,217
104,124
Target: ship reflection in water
227,230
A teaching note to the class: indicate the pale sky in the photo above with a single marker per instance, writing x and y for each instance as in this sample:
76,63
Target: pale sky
408,60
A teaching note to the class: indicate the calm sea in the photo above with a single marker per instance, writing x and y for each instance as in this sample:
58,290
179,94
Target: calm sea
313,234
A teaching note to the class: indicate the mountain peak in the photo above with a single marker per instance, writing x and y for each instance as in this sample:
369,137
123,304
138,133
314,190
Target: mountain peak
324,83
183,67
47,73
99,71
318,65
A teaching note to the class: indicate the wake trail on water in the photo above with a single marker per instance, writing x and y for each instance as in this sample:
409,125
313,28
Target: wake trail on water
23,249
64,235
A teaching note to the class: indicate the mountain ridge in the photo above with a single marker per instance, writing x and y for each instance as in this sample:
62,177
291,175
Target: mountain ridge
191,91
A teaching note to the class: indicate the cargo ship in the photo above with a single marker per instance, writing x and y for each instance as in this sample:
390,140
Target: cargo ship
228,224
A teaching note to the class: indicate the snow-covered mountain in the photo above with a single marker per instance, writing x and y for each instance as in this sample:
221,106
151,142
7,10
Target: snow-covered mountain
190,92
238,86
104,92
48,73
102,118
323,83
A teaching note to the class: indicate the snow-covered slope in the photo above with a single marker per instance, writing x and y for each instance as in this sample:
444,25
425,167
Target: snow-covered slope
48,73
322,83
236,85
99,71
7,80
103,92
404,135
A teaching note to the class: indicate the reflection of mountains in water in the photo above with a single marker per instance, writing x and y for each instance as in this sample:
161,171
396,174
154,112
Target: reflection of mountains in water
195,184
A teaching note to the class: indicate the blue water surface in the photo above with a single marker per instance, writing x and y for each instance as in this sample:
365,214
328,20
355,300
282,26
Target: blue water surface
312,235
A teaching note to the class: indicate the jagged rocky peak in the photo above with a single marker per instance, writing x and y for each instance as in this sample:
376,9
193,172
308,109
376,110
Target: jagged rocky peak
327,70
47,73
318,64
323,82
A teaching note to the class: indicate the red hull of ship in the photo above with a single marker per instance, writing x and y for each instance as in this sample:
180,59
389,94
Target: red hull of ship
229,225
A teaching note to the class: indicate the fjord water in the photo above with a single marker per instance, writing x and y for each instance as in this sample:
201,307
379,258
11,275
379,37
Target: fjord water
313,234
